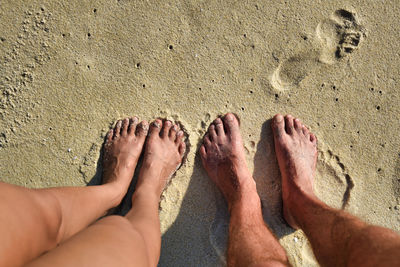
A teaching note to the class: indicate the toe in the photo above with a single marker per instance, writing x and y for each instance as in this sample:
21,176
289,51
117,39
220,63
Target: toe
306,132
213,133
182,149
179,137
231,123
207,141
278,125
110,135
173,131
203,152
125,125
219,127
117,129
166,127
155,127
298,126
289,125
313,138
142,129
132,125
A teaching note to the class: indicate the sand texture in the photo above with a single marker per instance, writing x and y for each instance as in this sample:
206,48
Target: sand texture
69,69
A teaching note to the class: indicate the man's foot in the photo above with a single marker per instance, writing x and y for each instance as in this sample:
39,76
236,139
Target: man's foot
296,151
163,155
122,149
223,157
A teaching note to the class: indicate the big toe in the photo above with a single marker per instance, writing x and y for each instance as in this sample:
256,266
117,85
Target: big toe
278,125
231,123
155,128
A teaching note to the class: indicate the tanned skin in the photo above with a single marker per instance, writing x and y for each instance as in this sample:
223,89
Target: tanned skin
251,243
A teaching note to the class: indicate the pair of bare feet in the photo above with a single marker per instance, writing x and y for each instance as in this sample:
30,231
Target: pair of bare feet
222,154
223,157
164,147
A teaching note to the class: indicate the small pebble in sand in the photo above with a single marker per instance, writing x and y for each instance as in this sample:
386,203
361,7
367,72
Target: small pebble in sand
69,149
295,239
75,157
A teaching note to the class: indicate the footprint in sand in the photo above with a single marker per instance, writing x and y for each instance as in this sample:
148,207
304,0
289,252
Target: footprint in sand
336,38
333,184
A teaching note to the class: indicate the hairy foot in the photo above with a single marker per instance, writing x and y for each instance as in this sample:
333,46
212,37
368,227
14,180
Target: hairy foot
223,157
122,149
163,155
296,151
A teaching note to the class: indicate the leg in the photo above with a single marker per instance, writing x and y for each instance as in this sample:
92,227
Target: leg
33,221
134,239
338,238
251,243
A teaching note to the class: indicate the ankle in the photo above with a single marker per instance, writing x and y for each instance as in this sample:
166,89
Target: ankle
146,191
301,205
247,201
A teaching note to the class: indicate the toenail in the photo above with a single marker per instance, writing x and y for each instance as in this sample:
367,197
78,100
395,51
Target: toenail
157,124
180,133
168,123
144,126
279,118
229,117
119,123
218,121
135,120
175,128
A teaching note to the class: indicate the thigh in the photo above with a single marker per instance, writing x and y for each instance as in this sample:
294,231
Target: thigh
111,241
28,223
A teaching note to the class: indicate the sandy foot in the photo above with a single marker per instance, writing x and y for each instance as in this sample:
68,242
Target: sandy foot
122,149
296,151
223,157
163,155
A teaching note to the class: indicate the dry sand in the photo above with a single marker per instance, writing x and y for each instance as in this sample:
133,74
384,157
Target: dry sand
69,69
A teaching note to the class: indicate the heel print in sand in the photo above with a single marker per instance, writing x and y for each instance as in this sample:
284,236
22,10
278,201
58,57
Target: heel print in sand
219,229
336,38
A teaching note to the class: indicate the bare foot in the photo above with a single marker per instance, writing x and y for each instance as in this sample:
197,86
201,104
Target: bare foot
223,157
296,151
122,149
163,155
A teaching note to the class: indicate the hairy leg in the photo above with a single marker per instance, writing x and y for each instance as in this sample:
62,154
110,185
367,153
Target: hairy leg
133,240
251,243
33,221
337,238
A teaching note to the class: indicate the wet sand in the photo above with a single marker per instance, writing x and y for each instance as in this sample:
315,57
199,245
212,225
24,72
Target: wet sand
70,69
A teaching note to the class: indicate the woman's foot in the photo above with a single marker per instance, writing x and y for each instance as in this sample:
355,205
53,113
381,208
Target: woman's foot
223,157
296,151
122,149
164,150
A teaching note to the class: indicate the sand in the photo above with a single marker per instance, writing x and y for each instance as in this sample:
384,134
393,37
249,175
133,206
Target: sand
69,69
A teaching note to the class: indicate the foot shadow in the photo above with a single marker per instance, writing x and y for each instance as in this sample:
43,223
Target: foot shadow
187,241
